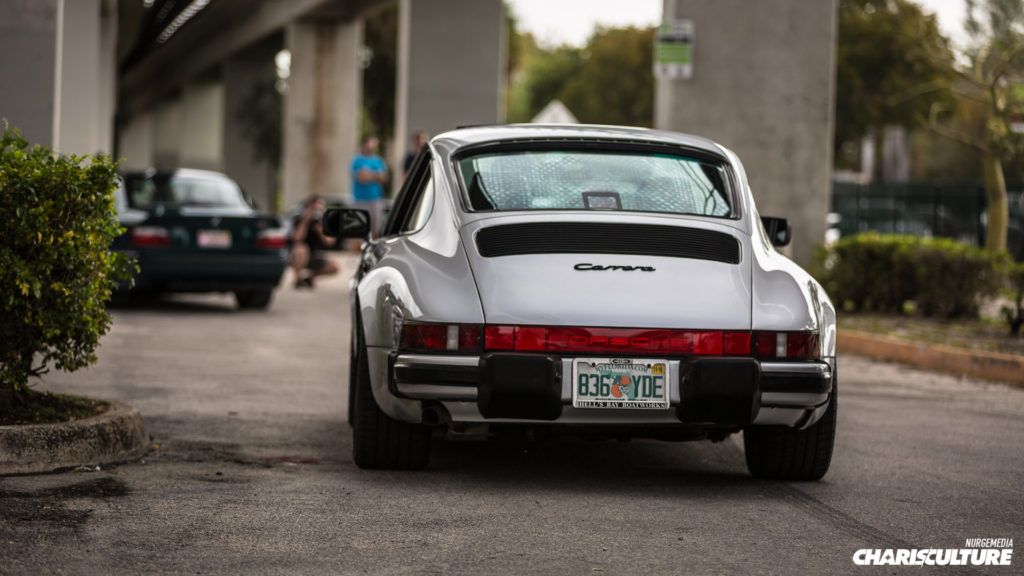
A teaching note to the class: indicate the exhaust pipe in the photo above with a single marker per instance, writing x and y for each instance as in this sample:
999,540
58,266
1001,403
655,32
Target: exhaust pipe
436,415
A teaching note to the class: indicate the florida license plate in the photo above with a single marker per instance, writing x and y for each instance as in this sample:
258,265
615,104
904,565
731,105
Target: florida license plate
620,383
214,239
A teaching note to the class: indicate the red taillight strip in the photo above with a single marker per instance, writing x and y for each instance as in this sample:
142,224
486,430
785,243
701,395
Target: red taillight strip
272,239
627,341
795,345
150,237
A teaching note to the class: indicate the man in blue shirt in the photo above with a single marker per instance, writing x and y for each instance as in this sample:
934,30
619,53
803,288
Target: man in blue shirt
369,174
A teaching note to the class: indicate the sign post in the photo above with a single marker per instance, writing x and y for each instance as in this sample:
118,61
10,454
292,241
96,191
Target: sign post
673,51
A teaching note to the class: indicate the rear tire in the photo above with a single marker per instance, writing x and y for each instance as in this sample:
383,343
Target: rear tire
254,299
784,453
379,441
352,364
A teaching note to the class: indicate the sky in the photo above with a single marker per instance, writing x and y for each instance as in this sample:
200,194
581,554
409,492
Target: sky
555,22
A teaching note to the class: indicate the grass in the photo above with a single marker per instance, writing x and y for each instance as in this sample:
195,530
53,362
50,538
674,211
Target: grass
48,408
987,334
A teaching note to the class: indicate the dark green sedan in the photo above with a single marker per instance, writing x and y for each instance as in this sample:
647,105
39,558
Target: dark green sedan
195,231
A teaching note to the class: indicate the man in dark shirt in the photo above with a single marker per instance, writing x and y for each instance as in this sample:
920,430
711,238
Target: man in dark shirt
310,244
418,140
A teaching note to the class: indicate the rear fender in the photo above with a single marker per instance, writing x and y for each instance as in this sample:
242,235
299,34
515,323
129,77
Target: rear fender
421,277
787,298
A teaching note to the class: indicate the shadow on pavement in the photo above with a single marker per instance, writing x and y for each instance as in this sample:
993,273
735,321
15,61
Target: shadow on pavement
174,303
572,465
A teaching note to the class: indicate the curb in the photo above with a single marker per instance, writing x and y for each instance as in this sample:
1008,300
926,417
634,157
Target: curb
116,435
936,357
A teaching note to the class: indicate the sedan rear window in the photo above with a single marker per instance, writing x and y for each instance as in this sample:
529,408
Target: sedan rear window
596,180
144,191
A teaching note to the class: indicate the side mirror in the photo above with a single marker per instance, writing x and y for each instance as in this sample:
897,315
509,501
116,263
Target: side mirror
778,229
347,223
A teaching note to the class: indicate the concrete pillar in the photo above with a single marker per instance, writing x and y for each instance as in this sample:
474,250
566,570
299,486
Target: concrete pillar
135,145
83,109
107,75
202,134
763,85
167,119
321,109
245,75
57,61
451,67
27,59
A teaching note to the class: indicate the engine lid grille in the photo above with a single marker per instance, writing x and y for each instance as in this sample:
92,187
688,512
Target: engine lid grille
607,238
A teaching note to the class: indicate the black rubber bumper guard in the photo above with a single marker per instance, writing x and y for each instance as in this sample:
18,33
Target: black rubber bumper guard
717,391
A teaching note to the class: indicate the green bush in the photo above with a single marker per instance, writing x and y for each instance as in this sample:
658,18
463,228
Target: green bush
881,273
870,271
57,222
953,277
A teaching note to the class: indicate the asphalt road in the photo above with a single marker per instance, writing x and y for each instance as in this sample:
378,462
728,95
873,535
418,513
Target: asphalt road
250,473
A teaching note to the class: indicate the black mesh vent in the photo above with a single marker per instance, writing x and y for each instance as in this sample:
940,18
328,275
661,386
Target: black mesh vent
588,238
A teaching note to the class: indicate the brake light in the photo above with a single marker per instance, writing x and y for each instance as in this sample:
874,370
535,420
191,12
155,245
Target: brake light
736,343
499,338
150,237
440,337
629,341
616,340
794,345
273,239
707,343
619,340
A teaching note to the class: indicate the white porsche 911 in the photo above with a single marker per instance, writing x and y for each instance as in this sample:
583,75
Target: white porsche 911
589,280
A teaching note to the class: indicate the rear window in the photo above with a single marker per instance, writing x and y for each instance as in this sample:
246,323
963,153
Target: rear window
144,191
596,180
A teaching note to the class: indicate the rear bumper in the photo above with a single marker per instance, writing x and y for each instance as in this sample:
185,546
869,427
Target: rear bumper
207,271
730,393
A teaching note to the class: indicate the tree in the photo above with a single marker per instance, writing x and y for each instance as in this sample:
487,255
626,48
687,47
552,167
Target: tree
260,116
381,33
892,65
545,75
615,83
609,81
993,77
57,223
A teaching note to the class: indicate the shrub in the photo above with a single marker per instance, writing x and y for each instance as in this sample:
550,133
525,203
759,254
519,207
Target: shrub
875,272
871,271
57,222
954,277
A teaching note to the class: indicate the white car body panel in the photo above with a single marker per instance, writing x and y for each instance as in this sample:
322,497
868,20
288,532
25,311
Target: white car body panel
436,274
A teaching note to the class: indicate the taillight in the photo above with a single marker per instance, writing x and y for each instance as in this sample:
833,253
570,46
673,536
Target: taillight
616,340
440,337
499,337
150,237
790,345
273,239
625,341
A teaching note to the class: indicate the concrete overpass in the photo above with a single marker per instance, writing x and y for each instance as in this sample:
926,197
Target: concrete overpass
179,98
174,74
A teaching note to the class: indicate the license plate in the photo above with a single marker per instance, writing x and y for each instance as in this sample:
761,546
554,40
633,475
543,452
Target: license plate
620,383
214,239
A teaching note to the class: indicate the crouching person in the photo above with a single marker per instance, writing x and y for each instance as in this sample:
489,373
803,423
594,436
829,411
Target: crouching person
309,245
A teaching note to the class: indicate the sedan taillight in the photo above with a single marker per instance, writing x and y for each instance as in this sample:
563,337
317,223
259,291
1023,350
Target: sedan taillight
150,237
273,239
